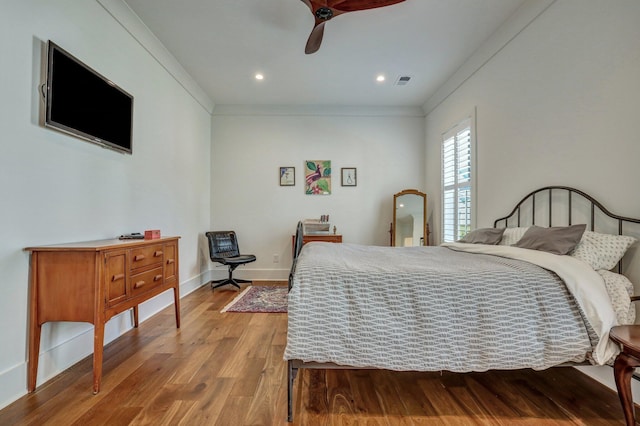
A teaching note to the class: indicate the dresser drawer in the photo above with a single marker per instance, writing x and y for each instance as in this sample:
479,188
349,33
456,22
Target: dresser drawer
144,256
147,280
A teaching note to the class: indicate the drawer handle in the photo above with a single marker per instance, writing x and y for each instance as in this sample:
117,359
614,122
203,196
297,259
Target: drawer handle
170,261
157,253
139,257
117,277
157,277
139,284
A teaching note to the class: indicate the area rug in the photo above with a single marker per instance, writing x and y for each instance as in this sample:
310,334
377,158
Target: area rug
260,299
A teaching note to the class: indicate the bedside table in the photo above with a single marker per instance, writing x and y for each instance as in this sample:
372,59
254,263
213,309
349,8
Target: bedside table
628,337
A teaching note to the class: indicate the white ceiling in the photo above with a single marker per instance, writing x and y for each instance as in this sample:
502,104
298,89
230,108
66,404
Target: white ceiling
223,43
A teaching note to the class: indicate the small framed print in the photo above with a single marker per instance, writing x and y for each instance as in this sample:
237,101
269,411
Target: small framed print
349,176
287,176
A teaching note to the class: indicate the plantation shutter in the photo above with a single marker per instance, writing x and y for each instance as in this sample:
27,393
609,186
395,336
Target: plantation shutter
457,182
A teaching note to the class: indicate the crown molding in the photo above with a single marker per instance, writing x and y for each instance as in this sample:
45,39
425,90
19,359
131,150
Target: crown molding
507,32
122,13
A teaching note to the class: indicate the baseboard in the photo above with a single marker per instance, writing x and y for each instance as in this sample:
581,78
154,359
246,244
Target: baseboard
53,361
13,384
604,375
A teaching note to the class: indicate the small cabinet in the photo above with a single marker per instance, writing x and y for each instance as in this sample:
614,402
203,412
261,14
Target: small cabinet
116,276
170,261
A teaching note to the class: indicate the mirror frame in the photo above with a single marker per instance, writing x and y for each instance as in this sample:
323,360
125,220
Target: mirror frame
425,226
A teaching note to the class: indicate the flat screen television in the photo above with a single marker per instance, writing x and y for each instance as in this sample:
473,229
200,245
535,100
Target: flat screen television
83,103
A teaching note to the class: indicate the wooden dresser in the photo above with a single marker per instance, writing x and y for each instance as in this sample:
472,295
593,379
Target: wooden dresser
93,281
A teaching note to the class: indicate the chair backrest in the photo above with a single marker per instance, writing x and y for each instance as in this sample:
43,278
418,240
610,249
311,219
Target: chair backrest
222,244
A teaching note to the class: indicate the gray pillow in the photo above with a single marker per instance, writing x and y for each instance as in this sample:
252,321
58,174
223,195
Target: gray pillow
483,236
557,239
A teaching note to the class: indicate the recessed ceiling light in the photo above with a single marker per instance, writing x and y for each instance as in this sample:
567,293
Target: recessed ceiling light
380,78
259,76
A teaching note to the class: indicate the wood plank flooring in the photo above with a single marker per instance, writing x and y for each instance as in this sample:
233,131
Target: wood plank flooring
227,369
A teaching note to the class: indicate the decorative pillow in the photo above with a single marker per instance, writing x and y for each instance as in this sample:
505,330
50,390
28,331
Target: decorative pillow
557,239
602,251
512,235
620,289
483,236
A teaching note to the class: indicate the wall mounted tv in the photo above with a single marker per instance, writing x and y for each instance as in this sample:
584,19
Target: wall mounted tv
83,103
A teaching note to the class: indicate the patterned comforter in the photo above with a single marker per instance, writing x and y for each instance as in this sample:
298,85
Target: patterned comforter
433,308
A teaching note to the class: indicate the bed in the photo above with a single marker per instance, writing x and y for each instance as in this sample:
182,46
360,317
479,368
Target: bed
468,306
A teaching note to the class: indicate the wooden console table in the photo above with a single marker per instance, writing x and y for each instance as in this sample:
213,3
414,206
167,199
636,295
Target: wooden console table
307,238
93,281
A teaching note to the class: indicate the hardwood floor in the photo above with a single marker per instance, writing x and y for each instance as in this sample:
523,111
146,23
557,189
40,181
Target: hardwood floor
227,369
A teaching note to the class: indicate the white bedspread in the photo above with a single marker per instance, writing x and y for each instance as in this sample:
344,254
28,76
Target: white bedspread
433,308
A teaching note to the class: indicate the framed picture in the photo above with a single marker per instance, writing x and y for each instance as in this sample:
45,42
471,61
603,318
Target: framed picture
287,176
349,177
317,177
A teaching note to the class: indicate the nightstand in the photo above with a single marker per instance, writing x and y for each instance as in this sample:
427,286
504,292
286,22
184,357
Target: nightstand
628,337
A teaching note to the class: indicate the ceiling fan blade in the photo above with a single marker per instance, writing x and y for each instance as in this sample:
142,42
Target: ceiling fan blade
308,3
354,5
315,38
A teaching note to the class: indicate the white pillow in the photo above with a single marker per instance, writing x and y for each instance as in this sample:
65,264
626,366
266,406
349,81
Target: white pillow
602,251
512,235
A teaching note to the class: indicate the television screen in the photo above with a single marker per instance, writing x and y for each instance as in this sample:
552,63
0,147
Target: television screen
83,103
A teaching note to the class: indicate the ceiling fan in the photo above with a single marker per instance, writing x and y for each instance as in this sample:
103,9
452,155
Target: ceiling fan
324,10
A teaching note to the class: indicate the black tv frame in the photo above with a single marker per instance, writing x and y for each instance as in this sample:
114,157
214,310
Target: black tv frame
52,123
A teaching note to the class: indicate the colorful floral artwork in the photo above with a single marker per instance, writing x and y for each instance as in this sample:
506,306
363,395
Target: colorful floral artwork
317,177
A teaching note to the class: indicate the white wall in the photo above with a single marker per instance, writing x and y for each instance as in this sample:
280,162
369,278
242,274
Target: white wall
556,105
56,188
249,145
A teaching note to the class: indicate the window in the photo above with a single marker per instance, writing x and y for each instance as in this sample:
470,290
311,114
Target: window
458,169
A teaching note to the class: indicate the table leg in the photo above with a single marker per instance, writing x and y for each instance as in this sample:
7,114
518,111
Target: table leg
135,316
98,347
35,327
34,354
176,302
622,370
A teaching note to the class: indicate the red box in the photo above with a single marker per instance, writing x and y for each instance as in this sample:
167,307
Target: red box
152,234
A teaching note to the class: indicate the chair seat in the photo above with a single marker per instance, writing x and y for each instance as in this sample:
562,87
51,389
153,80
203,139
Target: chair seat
235,260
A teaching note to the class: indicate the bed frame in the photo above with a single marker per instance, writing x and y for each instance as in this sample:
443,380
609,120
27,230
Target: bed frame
564,206
548,206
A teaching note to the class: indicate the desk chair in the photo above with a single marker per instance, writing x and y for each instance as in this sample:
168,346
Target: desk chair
223,248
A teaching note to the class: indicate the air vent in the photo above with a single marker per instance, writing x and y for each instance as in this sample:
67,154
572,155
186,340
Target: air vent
403,80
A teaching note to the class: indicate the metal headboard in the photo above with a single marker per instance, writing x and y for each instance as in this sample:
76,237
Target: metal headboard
528,203
297,246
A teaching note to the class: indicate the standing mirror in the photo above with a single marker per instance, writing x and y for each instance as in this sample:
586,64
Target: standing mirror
409,226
